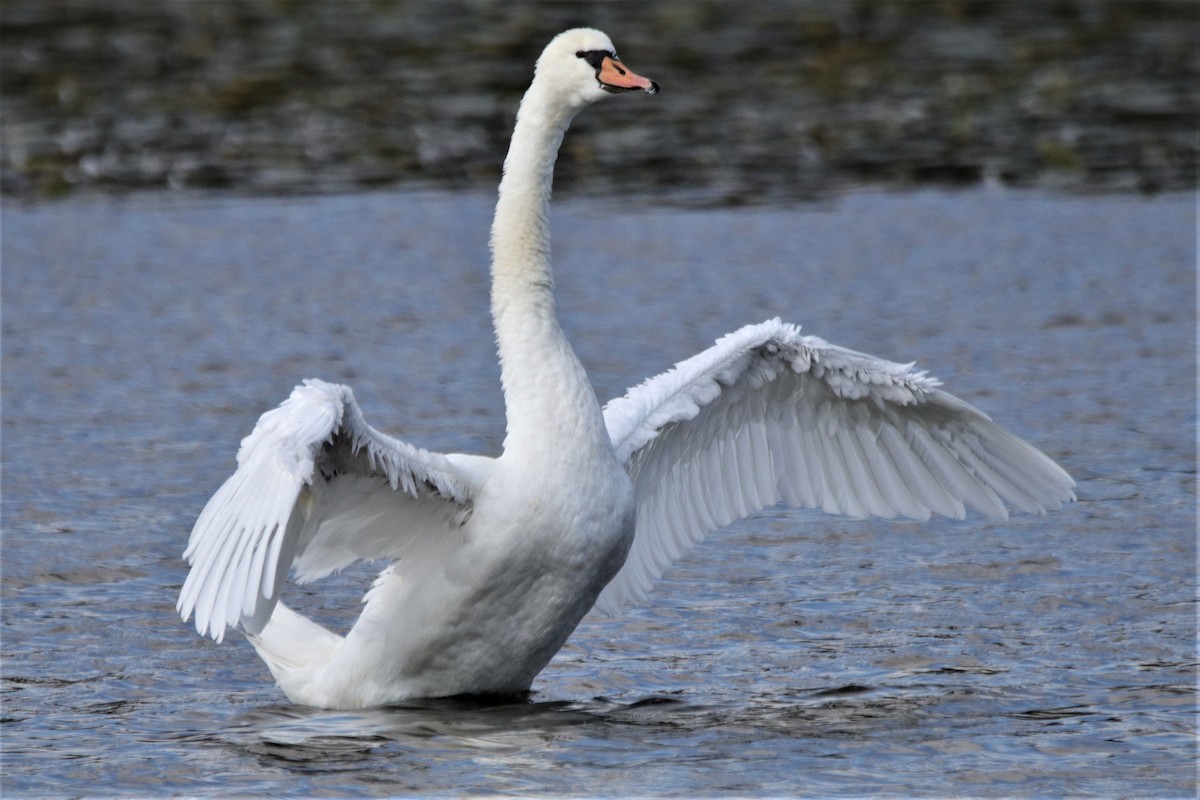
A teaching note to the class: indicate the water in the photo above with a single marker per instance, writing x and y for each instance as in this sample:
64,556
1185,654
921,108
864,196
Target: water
792,654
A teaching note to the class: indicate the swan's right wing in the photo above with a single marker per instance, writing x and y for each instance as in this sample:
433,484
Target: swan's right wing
767,415
316,488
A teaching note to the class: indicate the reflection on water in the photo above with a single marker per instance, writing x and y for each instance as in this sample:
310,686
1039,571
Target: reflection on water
764,100
323,739
793,654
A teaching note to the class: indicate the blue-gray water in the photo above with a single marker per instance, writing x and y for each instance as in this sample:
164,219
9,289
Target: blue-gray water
794,654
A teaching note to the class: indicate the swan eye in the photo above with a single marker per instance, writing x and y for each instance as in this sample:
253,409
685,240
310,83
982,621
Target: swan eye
595,57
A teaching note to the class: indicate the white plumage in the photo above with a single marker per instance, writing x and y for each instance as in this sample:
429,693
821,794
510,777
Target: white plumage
495,560
768,415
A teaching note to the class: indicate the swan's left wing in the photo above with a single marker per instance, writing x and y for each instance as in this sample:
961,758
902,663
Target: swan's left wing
316,489
767,415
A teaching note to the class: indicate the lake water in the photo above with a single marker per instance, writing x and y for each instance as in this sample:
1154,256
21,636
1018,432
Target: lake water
793,654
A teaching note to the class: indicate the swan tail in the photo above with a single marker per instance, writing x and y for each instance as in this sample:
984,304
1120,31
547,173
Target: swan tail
295,649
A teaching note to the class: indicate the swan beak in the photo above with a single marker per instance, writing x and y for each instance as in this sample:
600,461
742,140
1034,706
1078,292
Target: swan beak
616,77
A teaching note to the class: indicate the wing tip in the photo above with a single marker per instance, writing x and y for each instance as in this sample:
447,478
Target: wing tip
208,625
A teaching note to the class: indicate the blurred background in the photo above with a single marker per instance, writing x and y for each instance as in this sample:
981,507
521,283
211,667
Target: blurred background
762,101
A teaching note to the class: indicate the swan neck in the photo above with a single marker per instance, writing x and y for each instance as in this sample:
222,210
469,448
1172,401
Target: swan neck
547,394
520,229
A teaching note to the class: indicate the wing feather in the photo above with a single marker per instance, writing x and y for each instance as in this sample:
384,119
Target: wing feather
767,415
316,488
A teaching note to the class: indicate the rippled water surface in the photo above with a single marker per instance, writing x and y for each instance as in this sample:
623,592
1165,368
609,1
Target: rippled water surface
792,654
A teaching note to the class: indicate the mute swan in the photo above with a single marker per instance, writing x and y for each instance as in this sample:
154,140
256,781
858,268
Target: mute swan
496,560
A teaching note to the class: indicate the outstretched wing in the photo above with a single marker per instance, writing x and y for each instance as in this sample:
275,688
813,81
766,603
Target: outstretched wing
767,415
315,488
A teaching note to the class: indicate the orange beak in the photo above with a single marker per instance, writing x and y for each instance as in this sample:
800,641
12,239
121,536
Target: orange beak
616,77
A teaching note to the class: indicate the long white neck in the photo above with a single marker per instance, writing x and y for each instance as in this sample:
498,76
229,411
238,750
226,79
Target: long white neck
547,394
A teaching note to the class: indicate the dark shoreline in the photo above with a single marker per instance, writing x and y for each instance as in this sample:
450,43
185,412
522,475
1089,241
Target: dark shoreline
765,102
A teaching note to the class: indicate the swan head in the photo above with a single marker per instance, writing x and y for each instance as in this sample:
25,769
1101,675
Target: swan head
580,66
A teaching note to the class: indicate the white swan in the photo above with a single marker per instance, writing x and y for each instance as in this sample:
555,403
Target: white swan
495,560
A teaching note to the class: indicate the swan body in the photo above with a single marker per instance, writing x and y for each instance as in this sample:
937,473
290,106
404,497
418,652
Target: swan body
494,561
